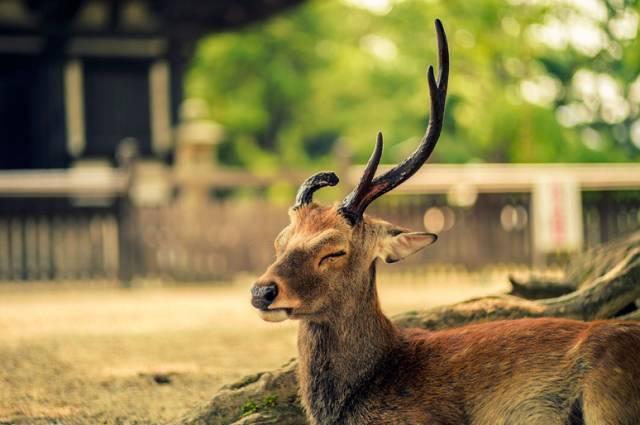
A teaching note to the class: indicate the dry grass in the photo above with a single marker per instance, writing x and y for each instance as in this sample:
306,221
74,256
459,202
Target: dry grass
93,356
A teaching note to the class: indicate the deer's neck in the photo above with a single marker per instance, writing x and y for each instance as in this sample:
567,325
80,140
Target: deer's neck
338,359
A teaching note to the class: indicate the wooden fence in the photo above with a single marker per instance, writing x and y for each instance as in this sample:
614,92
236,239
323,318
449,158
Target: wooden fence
53,240
71,237
228,237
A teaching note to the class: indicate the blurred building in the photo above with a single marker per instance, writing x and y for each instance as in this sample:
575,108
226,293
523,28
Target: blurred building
85,83
79,76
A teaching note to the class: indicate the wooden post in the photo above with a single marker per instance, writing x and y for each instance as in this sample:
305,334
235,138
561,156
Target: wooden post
126,154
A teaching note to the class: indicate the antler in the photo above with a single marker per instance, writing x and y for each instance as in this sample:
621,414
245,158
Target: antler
369,188
313,183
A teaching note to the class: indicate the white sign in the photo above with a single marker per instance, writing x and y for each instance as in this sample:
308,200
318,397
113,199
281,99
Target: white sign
557,215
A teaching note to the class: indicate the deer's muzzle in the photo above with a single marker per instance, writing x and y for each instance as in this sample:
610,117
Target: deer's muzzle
263,295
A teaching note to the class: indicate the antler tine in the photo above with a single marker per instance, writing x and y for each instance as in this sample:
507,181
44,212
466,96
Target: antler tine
357,195
313,183
354,205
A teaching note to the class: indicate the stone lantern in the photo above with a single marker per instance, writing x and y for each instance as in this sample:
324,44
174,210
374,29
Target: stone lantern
195,160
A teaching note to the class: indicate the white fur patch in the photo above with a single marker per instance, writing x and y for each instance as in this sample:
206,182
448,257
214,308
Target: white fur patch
273,315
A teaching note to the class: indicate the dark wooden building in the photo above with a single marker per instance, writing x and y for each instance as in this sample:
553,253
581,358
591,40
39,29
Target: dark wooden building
79,76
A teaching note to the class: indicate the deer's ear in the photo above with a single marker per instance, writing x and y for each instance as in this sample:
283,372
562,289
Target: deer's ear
399,243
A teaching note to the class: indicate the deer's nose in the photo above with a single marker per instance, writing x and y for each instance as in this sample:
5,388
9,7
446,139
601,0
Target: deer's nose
263,295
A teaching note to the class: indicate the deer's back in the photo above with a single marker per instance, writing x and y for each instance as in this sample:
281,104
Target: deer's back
529,371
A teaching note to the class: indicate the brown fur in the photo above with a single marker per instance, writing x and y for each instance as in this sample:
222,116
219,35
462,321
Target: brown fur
356,367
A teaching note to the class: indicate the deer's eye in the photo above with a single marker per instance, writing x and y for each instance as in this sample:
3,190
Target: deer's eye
332,255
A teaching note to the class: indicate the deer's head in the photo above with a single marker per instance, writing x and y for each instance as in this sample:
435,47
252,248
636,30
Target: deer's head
325,257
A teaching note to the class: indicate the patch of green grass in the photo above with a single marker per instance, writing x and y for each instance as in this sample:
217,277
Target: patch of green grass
266,403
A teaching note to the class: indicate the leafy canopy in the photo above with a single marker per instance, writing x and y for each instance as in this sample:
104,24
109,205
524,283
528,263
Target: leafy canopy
531,81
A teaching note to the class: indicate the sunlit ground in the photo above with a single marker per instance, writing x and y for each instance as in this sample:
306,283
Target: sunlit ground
91,355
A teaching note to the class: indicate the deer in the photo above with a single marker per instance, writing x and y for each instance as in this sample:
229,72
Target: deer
356,367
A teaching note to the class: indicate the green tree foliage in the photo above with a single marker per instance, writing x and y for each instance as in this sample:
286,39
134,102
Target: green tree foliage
531,81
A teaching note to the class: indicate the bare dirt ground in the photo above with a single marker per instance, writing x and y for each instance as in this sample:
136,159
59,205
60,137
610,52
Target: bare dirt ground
145,356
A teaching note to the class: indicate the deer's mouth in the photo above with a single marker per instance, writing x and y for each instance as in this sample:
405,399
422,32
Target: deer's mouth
275,314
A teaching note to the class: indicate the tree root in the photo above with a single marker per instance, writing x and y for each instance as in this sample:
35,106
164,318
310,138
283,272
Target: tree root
538,288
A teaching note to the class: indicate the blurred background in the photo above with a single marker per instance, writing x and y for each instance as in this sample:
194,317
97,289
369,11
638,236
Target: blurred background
155,143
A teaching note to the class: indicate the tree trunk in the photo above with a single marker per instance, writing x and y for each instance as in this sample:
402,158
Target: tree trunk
606,282
581,269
